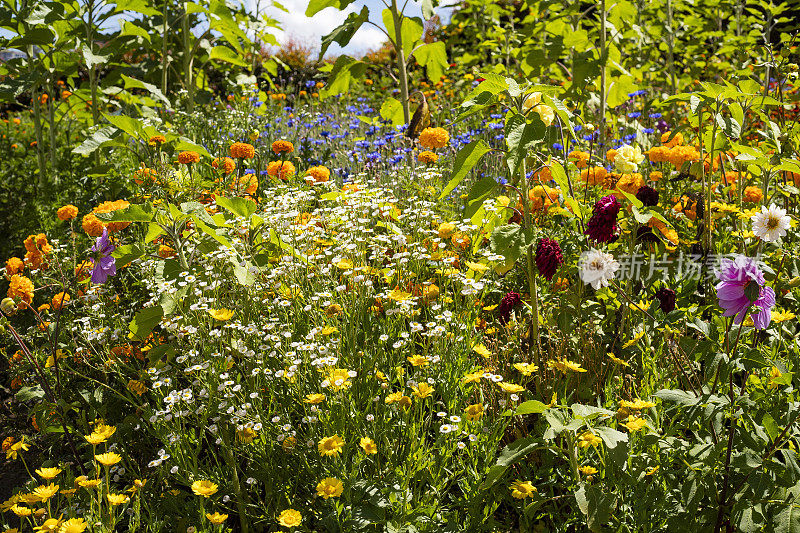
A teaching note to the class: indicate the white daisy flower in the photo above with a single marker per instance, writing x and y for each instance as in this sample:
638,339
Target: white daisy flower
771,223
597,268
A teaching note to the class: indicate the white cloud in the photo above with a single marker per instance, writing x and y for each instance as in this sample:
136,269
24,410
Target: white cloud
310,30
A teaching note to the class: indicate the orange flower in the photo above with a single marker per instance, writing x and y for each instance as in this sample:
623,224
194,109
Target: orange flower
677,140
427,157
20,288
281,169
593,175
227,164
188,157
242,151
247,184
59,300
110,207
318,174
434,138
92,225
156,140
14,266
581,159
67,212
753,194
282,147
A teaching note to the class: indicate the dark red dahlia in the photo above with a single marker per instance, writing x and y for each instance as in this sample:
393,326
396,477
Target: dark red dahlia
548,257
507,304
648,196
602,227
666,299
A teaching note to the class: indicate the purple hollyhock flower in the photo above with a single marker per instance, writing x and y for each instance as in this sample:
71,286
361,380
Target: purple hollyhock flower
104,264
507,304
602,227
548,257
740,288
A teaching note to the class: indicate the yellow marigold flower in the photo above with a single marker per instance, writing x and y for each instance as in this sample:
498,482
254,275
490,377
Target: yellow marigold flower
220,314
338,379
511,388
398,398
59,300
565,365
108,458
20,289
526,369
636,404
474,412
427,157
282,147
242,151
227,164
330,446
246,435
110,207
368,445
156,140
290,518
446,230
48,526
204,488
67,212
48,473
45,492
216,518
418,360
588,470
434,138
14,265
74,525
281,169
473,377
422,390
247,184
587,439
21,510
117,499
314,398
635,424
188,157
89,483
522,489
330,487
398,295
101,433
482,350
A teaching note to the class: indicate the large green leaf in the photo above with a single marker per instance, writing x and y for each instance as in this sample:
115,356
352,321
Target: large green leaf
510,455
344,71
466,158
132,213
315,6
392,110
133,83
345,31
242,207
228,55
596,505
144,322
433,57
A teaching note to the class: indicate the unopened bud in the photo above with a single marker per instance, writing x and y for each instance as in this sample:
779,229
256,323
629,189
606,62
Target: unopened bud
794,282
8,306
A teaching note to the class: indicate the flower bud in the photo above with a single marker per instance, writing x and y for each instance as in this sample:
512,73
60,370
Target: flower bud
8,306
794,282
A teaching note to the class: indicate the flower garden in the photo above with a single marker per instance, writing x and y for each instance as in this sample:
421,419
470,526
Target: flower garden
531,268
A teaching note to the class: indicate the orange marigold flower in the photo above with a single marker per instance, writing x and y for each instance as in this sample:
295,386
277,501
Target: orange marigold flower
611,155
318,174
581,159
656,176
247,184
242,151
753,194
84,270
188,157
282,147
14,265
434,138
92,225
110,207
227,164
166,251
630,183
677,140
156,140
281,169
59,300
593,175
144,175
659,154
20,288
67,212
427,157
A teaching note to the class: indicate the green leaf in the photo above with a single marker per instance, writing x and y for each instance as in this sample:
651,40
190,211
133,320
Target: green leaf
132,213
345,31
392,110
427,8
345,70
596,506
433,57
527,408
478,193
510,455
129,125
139,6
315,6
133,30
242,207
90,58
619,89
787,520
100,138
133,83
509,241
185,144
228,55
611,437
29,393
466,158
729,125
520,134
144,322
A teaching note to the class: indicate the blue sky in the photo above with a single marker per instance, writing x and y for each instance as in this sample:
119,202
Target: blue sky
310,30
